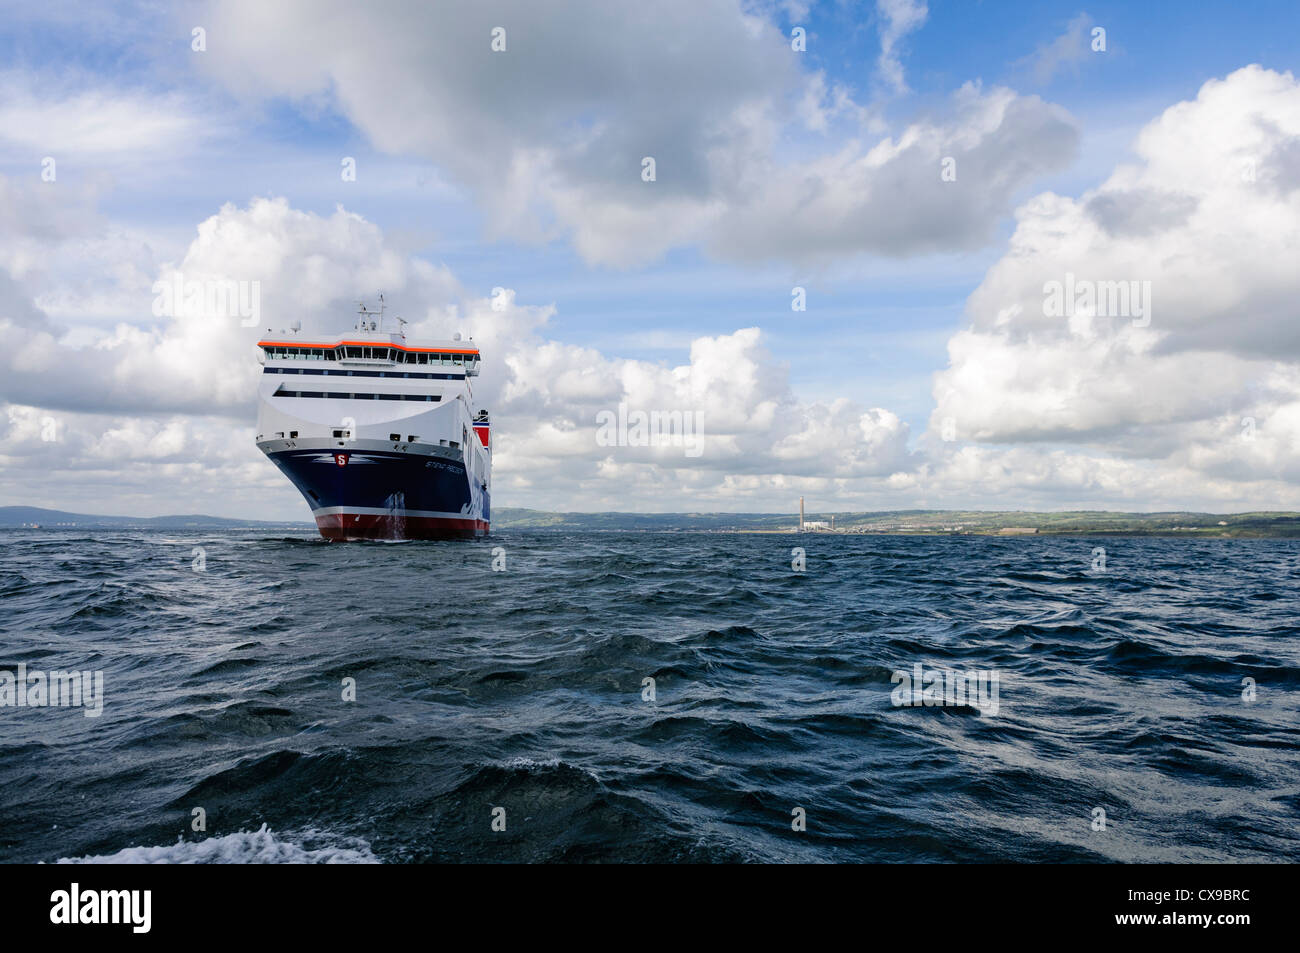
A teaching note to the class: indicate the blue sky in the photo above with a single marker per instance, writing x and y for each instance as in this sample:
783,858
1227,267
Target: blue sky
879,323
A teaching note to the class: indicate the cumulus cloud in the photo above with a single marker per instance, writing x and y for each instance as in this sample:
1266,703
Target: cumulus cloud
1204,381
550,133
200,361
891,198
170,404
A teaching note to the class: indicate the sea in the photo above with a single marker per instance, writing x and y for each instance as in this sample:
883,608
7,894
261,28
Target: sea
648,697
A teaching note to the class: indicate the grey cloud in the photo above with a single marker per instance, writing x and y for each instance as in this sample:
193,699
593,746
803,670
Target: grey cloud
902,207
1139,212
550,134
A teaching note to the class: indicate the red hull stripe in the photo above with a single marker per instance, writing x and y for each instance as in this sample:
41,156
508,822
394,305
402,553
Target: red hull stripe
374,526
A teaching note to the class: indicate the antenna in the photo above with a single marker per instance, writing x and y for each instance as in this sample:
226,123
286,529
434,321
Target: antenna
367,313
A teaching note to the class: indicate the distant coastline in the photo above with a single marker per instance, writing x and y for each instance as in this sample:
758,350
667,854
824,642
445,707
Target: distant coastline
36,517
1010,523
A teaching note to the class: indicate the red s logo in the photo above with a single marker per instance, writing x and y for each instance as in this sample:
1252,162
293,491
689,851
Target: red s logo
341,459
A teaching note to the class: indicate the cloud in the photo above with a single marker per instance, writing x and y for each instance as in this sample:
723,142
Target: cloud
72,121
171,404
1202,391
550,134
891,198
302,265
901,17
1066,52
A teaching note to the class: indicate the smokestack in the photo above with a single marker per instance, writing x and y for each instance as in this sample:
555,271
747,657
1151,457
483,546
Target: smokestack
801,514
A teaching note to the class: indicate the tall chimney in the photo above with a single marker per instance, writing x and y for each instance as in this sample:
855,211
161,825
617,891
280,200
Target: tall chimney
801,514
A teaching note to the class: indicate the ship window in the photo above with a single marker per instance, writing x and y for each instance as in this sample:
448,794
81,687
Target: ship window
453,444
394,436
338,395
293,433
411,438
354,352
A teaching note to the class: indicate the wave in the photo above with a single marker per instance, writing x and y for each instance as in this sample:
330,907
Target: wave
262,846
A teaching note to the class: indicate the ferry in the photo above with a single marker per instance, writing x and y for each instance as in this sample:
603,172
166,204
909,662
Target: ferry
376,432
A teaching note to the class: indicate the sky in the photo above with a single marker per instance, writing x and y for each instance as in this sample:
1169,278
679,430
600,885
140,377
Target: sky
938,178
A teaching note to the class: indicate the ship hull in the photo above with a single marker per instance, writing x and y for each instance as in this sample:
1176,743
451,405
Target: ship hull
349,525
370,494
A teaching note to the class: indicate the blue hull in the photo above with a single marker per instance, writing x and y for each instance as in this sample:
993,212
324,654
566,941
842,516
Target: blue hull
371,494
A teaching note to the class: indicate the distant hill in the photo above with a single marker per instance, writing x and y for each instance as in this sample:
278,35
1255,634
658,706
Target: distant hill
14,517
926,522
905,522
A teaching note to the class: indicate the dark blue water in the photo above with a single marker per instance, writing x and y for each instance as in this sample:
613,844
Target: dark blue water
521,689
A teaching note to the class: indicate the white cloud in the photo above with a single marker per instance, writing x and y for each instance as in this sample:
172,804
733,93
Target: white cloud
1066,52
550,134
890,198
901,17
1208,216
73,122
171,404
